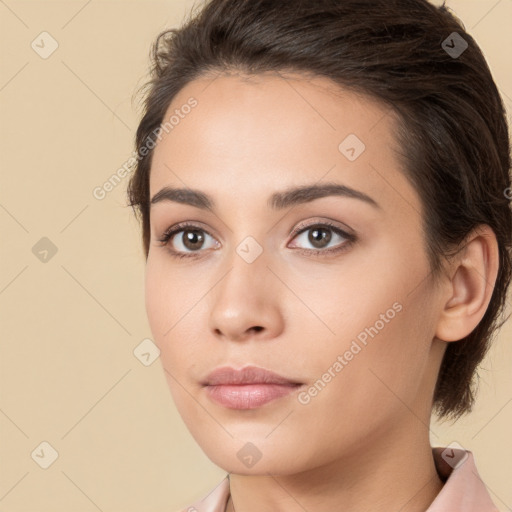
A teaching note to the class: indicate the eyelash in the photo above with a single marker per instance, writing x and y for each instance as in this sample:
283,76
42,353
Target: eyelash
183,226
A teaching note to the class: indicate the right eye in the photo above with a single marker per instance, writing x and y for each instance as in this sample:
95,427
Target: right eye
189,243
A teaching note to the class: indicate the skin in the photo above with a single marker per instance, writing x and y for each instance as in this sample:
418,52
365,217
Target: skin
362,443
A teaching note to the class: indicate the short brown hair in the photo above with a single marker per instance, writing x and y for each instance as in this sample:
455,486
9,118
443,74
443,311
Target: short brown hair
453,131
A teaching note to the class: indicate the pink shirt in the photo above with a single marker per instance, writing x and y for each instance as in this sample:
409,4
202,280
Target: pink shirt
463,490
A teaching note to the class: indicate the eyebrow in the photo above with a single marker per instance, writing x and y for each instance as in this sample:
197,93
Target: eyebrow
277,201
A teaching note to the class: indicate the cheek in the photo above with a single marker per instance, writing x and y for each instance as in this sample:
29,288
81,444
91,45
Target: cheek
163,300
155,298
371,383
171,310
383,332
386,369
165,294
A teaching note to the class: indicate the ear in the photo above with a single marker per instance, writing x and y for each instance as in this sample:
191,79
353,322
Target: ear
470,283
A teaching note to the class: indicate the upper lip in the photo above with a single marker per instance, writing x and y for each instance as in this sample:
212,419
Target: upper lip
247,375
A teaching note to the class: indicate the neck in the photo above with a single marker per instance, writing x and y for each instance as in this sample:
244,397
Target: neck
397,474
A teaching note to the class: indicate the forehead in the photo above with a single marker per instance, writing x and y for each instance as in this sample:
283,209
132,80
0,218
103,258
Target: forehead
268,132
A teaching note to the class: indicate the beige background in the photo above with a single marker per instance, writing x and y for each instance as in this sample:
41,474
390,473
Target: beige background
68,374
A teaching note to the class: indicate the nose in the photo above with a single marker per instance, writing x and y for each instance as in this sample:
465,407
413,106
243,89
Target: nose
245,304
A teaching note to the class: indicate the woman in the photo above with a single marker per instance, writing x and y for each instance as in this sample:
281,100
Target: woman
324,194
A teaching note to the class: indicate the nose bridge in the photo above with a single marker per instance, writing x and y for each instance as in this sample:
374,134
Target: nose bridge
245,297
248,276
248,254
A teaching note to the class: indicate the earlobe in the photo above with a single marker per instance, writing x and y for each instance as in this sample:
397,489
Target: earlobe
473,275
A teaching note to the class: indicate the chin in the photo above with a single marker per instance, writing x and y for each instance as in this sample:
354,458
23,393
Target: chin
258,457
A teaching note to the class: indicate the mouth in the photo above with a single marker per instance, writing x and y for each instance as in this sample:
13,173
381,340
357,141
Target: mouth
248,388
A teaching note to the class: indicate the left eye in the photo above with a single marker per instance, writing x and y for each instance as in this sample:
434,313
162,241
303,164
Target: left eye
320,235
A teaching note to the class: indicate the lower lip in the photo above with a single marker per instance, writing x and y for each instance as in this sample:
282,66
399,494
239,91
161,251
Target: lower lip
248,396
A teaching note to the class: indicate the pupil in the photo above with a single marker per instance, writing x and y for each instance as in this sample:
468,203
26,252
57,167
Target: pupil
192,239
313,238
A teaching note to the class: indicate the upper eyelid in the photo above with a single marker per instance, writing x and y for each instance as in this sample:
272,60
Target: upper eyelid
334,225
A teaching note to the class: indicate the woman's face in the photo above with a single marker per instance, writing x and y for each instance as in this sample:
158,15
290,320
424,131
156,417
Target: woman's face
264,282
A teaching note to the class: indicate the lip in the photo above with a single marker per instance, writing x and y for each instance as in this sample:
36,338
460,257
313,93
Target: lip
247,375
247,388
